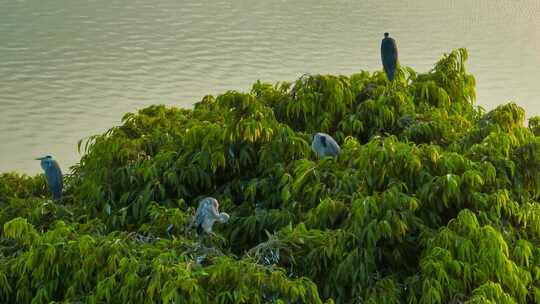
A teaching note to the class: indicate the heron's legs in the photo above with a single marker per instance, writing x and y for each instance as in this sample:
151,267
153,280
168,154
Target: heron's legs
169,230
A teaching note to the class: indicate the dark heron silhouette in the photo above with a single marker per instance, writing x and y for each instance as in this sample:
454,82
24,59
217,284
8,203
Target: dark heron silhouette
55,179
205,216
324,145
389,56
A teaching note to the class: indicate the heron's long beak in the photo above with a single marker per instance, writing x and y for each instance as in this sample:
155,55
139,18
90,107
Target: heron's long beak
40,158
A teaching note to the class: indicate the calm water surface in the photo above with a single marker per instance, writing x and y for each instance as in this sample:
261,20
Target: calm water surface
70,69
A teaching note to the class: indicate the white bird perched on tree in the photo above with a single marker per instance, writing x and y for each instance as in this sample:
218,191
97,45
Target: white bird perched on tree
324,145
205,216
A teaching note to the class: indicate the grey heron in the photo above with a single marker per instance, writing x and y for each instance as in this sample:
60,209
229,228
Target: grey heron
324,145
53,174
389,56
205,216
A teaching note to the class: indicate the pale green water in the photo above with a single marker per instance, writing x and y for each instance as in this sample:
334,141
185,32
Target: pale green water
70,69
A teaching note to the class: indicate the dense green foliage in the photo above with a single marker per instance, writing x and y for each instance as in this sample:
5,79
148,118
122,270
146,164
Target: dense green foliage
431,200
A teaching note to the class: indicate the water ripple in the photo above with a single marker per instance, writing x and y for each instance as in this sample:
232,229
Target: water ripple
70,69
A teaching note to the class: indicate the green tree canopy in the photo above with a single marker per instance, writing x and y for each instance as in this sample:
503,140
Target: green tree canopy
431,200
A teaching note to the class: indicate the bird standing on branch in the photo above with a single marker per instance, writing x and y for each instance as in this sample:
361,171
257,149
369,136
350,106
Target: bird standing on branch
55,179
205,216
389,56
324,145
